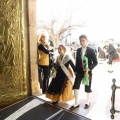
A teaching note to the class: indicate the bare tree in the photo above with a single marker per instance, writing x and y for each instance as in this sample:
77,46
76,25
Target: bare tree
58,29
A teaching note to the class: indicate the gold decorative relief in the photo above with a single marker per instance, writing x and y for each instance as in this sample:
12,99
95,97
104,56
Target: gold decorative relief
12,61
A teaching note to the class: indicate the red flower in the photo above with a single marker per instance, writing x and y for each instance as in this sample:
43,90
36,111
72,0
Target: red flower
57,63
84,61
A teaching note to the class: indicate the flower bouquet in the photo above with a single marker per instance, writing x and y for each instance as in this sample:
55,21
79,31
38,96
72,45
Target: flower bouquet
85,79
54,69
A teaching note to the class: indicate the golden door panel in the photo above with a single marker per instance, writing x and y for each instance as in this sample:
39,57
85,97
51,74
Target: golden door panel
12,61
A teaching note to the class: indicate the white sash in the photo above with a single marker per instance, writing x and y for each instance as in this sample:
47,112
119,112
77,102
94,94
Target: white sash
70,77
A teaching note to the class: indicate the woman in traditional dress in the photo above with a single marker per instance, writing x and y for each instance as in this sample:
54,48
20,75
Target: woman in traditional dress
60,88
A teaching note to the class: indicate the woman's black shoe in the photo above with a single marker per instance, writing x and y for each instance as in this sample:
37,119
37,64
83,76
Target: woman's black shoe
86,106
74,107
54,103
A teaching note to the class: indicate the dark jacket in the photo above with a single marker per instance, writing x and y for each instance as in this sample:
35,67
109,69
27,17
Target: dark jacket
92,60
111,49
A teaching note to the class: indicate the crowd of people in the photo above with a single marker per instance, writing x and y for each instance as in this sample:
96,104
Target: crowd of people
108,51
67,74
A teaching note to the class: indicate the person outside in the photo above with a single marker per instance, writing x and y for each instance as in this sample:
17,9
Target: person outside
101,52
43,51
95,50
83,51
60,88
111,53
118,50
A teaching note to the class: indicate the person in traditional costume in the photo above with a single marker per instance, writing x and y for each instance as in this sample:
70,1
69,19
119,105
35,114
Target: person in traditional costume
85,62
60,88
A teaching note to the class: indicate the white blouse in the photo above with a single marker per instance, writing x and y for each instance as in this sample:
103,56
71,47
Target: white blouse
83,51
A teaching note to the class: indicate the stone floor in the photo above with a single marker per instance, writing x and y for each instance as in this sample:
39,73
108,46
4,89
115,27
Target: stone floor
100,102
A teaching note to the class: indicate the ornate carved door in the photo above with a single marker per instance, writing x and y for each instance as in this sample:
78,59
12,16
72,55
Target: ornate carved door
13,83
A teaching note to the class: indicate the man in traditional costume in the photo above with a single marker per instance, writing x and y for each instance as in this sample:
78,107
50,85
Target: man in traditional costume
84,55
